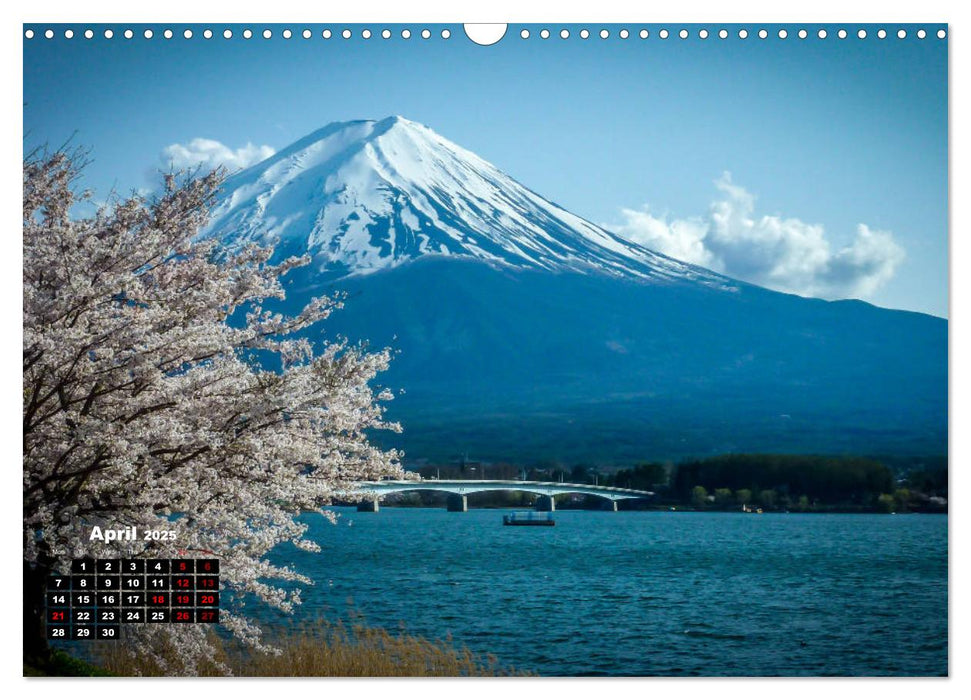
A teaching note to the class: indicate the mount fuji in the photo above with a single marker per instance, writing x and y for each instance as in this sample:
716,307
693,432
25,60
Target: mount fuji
524,332
367,196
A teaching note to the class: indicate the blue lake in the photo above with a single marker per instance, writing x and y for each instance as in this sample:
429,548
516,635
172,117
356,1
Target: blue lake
647,593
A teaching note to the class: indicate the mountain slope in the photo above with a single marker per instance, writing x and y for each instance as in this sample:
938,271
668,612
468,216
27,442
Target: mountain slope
525,365
524,332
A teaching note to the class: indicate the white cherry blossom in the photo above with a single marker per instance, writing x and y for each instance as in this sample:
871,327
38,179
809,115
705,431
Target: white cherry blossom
160,391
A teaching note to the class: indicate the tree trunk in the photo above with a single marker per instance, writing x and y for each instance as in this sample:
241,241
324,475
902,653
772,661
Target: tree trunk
36,650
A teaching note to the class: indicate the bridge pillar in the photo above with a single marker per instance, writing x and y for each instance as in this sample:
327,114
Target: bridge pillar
457,503
546,504
610,505
369,506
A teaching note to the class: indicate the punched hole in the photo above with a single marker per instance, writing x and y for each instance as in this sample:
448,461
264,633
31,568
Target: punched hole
485,34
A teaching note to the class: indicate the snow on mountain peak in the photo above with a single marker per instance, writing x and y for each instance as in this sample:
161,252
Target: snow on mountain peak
362,196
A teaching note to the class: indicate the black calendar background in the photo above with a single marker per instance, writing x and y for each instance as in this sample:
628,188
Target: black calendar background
99,595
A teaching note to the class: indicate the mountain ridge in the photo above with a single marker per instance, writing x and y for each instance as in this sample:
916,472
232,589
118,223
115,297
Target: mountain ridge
363,195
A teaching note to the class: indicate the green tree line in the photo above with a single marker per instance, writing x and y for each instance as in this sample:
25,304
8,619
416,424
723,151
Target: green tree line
819,478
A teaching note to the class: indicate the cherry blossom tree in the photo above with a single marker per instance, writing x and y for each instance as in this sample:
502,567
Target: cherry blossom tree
160,392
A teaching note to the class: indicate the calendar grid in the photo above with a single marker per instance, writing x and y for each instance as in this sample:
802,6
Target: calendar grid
100,595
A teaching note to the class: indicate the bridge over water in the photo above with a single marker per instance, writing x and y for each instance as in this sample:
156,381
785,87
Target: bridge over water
458,491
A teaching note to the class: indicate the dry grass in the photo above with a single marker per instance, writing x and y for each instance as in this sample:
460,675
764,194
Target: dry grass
324,649
117,659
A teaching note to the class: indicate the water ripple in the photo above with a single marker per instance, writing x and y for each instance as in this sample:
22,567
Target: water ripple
636,593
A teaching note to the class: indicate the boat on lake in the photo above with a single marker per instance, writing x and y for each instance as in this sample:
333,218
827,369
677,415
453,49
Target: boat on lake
529,518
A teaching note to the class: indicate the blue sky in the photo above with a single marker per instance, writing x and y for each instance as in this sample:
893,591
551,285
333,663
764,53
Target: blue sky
760,158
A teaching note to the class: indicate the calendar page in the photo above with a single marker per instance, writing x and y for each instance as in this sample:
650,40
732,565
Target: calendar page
441,349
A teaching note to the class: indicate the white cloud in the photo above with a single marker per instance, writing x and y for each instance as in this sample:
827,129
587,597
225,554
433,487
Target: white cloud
785,254
210,154
680,238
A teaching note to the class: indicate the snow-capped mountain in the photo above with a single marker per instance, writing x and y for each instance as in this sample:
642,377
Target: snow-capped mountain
365,196
524,332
